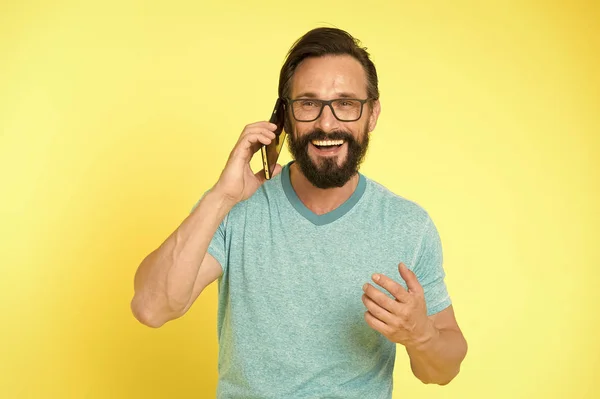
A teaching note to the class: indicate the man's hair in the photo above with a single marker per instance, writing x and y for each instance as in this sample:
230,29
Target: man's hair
327,41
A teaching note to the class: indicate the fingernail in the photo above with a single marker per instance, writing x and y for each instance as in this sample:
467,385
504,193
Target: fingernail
365,286
376,277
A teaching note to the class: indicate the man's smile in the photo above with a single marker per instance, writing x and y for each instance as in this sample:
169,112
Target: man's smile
327,147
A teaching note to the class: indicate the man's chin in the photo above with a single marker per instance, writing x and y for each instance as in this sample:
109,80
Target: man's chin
322,166
321,162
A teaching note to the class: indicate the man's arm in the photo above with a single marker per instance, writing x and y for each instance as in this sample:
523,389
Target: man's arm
171,277
435,344
437,360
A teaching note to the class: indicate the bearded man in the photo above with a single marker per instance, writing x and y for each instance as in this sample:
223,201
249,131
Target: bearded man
321,270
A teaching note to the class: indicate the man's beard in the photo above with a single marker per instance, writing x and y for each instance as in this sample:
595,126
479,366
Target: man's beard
326,173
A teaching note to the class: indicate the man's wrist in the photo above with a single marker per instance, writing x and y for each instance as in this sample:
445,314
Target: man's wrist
427,339
222,202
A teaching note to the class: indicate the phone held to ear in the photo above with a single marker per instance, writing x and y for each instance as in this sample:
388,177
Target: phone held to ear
270,152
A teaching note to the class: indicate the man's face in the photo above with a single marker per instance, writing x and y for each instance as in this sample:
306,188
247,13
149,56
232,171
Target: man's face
328,78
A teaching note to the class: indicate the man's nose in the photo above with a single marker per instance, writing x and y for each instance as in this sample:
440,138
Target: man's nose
327,121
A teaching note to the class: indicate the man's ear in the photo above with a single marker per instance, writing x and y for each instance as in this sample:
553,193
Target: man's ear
375,111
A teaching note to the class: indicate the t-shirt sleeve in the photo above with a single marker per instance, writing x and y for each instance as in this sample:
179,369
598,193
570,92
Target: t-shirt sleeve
428,267
217,244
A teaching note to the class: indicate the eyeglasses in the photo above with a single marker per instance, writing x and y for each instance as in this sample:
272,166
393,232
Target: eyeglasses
344,109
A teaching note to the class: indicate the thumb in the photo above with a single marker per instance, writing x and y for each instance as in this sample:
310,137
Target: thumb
410,278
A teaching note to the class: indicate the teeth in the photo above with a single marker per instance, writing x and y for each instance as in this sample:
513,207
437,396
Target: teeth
324,143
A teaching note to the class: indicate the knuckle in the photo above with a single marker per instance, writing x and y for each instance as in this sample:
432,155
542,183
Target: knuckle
389,302
404,312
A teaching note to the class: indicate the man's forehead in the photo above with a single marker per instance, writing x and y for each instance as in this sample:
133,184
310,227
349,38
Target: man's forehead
329,76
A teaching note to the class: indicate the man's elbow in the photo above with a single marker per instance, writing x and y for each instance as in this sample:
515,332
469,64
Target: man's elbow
146,316
447,379
438,380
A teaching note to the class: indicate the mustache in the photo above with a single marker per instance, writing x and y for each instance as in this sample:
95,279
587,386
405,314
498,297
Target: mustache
319,134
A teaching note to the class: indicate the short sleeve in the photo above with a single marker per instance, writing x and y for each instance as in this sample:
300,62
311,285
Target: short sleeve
217,244
428,267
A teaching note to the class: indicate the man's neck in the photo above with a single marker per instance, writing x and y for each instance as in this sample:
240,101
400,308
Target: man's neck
318,200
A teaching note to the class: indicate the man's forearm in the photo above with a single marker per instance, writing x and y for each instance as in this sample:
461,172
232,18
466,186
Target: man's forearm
165,279
438,360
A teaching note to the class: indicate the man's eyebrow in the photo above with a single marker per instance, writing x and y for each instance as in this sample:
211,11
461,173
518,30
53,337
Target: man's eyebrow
310,94
347,95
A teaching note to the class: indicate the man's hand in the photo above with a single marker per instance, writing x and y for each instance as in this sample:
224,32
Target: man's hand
403,320
237,181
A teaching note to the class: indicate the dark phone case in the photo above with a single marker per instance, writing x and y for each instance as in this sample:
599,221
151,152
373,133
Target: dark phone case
271,152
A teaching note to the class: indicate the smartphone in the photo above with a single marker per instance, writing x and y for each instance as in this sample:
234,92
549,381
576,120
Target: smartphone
270,152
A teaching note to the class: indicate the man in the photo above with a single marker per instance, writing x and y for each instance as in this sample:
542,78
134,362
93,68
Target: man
321,270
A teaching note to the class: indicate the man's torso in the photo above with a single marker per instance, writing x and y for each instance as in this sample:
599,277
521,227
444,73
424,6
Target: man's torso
291,319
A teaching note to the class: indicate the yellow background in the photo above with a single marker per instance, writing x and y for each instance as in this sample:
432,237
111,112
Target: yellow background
116,116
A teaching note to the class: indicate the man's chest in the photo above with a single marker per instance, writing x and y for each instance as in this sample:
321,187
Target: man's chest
304,272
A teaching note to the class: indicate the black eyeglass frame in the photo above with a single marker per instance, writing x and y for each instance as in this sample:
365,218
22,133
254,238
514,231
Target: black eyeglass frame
328,103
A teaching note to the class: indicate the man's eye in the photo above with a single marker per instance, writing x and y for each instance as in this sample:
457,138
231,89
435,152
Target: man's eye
308,103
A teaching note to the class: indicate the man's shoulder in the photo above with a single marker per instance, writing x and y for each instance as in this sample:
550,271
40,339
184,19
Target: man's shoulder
268,192
381,196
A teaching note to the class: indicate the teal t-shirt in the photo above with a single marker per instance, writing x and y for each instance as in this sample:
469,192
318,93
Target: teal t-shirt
290,318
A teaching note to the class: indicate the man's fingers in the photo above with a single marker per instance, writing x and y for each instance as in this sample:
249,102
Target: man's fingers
263,136
260,125
251,142
377,324
377,310
380,298
410,278
394,288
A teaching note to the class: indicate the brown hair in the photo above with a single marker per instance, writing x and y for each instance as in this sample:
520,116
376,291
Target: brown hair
327,41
